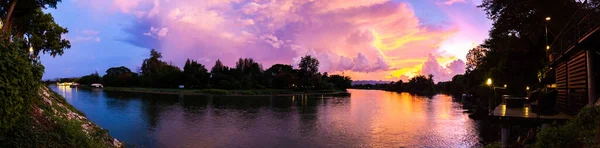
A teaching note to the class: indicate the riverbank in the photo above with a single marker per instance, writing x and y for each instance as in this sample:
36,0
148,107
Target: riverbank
53,122
254,92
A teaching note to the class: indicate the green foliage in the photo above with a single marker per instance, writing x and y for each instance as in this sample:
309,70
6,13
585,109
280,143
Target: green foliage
308,72
196,75
20,76
158,73
120,76
89,79
581,131
28,20
52,132
341,82
420,84
309,65
458,85
279,76
246,75
496,144
515,51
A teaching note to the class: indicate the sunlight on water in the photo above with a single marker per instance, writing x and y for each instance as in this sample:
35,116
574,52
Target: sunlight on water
368,118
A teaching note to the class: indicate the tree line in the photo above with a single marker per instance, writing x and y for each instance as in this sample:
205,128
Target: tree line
247,74
419,84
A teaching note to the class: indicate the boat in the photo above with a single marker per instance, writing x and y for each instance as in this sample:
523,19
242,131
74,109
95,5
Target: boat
97,85
75,85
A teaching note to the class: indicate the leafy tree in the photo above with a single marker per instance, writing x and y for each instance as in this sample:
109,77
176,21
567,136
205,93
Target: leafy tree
89,79
116,71
25,18
279,76
340,82
309,65
475,57
249,73
157,73
196,75
221,77
421,84
119,77
20,78
516,48
309,69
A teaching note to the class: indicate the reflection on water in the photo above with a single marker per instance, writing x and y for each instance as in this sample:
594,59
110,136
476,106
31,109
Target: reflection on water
369,118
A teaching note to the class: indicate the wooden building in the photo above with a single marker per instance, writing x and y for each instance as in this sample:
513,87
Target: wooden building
574,57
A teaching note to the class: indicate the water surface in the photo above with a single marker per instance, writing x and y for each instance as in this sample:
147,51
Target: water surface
368,118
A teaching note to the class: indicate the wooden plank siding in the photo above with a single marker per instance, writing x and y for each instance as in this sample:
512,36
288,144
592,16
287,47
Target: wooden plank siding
571,83
561,86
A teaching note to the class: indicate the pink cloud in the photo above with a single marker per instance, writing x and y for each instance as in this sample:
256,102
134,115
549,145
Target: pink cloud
450,2
368,39
440,73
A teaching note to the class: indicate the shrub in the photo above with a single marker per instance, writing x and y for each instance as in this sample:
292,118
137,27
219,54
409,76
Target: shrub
580,131
20,78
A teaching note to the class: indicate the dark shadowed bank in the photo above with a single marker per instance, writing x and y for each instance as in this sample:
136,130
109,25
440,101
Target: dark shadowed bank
253,92
53,122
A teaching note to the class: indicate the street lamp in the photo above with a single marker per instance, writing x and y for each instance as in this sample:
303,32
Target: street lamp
489,84
527,88
547,20
504,85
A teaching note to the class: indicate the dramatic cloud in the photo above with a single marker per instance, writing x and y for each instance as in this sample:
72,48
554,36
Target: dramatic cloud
442,73
366,39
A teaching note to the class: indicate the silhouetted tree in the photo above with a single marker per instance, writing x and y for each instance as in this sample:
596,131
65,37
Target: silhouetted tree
120,77
309,69
89,79
280,76
157,73
340,82
196,75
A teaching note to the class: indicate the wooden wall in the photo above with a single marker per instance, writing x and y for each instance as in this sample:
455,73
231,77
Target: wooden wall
571,82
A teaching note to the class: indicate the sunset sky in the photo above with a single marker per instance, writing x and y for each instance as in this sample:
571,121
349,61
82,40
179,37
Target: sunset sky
364,39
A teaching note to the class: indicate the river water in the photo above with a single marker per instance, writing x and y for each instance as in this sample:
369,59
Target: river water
368,118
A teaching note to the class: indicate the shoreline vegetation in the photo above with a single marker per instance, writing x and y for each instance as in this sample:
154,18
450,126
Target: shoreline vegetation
247,78
223,92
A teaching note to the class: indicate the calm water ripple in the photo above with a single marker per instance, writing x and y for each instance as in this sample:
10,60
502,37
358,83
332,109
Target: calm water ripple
368,118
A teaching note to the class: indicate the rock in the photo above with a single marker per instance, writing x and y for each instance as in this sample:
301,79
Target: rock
117,143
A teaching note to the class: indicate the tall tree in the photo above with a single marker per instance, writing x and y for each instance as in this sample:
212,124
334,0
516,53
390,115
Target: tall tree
516,48
157,73
309,70
25,19
196,75
309,65
279,76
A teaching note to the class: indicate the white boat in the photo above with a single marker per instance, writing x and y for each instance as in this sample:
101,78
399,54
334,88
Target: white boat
97,85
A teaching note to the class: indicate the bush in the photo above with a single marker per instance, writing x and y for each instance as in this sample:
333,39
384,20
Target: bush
580,131
20,78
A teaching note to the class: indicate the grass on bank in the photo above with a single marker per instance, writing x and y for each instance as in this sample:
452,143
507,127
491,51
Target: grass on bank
224,92
48,126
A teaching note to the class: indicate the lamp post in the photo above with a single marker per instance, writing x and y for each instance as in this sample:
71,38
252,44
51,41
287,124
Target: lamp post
489,84
546,28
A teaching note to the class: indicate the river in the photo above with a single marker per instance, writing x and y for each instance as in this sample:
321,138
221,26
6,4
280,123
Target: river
368,118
